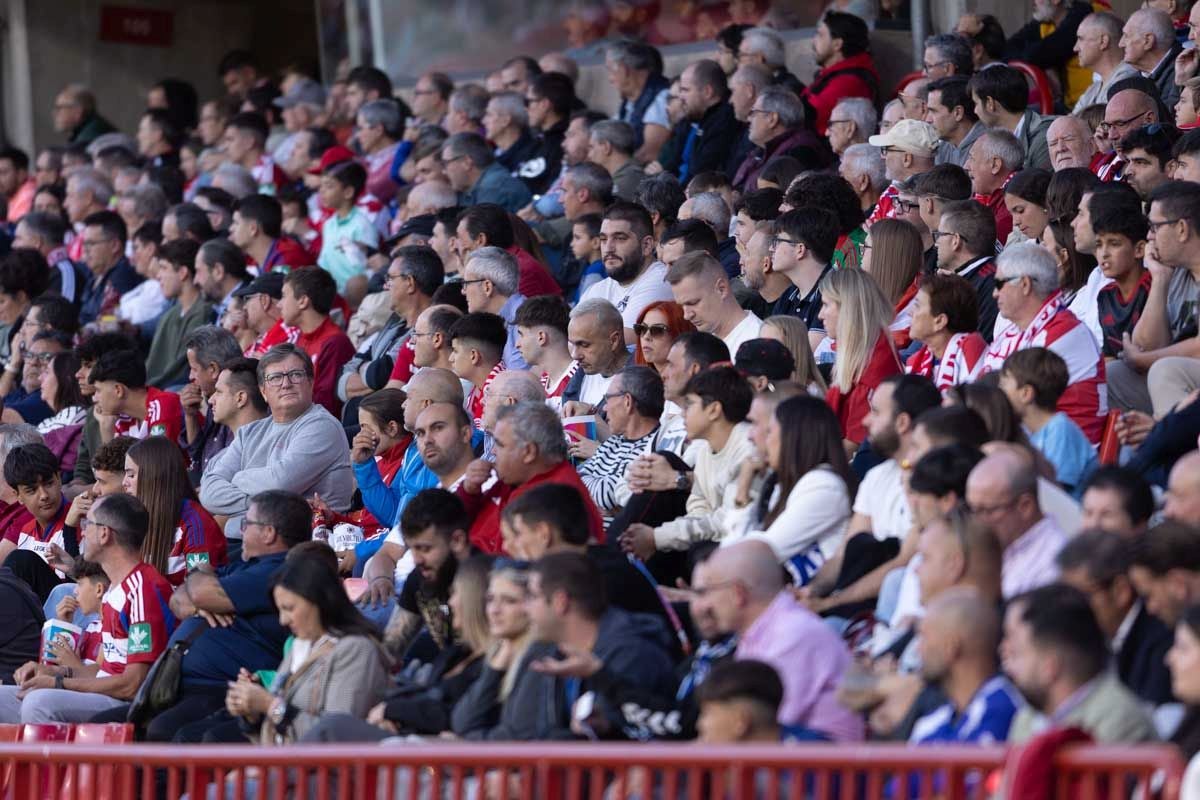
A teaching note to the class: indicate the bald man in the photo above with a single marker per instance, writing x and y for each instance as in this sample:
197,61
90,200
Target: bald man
1002,492
958,640
508,388
742,587
1149,43
1128,110
1070,142
1183,491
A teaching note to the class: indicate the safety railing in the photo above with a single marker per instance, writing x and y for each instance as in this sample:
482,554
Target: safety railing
462,771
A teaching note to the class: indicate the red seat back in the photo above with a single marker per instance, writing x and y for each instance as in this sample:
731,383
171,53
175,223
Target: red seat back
33,781
1041,85
104,781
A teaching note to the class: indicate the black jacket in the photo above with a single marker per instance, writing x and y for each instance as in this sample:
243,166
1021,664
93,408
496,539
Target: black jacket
1140,661
1049,52
540,170
719,131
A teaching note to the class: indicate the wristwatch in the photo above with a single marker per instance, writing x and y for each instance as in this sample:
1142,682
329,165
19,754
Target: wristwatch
682,481
277,712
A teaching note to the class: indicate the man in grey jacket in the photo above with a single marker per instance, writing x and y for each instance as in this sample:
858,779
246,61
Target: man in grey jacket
301,447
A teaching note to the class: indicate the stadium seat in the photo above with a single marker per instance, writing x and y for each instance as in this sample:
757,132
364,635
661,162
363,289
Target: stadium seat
1041,85
102,782
25,779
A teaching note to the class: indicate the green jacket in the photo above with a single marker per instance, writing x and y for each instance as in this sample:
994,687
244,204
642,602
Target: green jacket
167,364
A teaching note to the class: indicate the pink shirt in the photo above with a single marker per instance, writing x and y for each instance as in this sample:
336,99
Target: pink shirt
810,659
1030,561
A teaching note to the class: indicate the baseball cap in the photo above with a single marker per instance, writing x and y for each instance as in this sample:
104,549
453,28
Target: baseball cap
765,358
305,91
909,135
270,283
421,225
334,155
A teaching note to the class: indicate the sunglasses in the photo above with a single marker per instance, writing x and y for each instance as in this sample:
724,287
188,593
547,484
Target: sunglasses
656,330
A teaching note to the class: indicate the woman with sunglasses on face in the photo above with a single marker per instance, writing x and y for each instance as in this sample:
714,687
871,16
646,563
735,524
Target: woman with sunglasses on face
657,328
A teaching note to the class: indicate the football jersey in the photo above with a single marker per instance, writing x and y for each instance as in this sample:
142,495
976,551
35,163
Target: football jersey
135,620
198,540
33,536
1118,315
164,417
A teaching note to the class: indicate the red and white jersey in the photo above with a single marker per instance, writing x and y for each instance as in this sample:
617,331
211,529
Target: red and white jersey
276,334
1057,329
474,401
164,417
198,540
135,620
269,177
960,362
885,208
42,540
554,388
91,643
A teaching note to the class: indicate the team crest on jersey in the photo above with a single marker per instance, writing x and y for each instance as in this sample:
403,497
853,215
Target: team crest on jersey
196,559
158,430
141,640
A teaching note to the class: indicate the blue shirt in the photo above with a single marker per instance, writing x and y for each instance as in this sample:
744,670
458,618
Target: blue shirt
985,720
508,312
254,640
1065,446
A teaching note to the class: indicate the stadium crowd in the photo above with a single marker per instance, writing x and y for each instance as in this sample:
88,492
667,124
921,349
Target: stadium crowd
757,411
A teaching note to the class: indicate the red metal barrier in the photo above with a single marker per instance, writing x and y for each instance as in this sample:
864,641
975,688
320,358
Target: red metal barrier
574,771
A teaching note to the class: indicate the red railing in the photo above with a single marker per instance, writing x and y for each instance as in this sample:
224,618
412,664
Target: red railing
412,771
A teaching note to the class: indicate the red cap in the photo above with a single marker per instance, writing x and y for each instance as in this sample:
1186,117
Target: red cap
334,155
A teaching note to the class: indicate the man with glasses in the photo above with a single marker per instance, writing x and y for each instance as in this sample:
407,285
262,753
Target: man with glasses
75,115
491,283
776,128
236,601
506,125
300,447
801,250
112,275
1027,294
947,54
908,149
134,619
1126,111
1002,493
852,121
411,279
430,101
548,102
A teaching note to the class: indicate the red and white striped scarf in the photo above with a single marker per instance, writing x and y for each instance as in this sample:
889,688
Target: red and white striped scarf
946,373
1012,338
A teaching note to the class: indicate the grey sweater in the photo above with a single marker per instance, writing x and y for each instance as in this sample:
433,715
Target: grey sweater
309,454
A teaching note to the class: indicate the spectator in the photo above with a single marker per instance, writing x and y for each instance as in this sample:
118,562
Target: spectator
634,404
610,145
774,628
495,276
61,393
951,112
777,128
1163,566
239,594
44,544
1098,48
1046,41
477,343
1127,110
715,130
635,279
856,315
1150,47
541,324
635,71
1002,492
167,361
209,350
245,143
1001,100
802,248
716,402
1096,563
1117,500
1025,201
1120,238
794,335
859,118
893,258
220,272
137,629
130,405
306,300
46,233
841,47
763,47
477,177
594,335
1146,157
1034,380
22,625
257,229
944,321
348,233
300,446
992,163
701,288
908,148
16,186
88,352
75,115
739,703
863,167
1180,660
487,224
104,238
1070,143
1053,649
516,386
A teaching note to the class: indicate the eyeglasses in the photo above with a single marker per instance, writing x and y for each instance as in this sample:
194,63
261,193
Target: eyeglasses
41,358
778,240
422,92
1106,126
939,234
935,65
656,330
276,379
838,121
754,111
905,206
611,395
1154,226
473,280
1000,282
247,522
987,511
391,277
417,335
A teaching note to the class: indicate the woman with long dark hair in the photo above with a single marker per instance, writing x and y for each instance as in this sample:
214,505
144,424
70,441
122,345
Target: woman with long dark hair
804,504
1025,199
182,534
335,662
1183,660
893,256
63,431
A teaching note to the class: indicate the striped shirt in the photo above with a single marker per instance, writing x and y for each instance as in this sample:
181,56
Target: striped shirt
198,540
604,472
135,620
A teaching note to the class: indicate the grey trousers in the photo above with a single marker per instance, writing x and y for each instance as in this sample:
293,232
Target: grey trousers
1156,392
52,705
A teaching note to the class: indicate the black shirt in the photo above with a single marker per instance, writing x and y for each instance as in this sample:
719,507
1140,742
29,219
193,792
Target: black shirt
808,307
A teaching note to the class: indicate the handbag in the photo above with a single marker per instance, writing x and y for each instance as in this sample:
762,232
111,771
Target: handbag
160,690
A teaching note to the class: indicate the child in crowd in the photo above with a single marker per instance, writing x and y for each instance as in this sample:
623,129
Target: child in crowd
83,608
32,471
585,246
1034,380
137,409
1120,246
476,346
348,233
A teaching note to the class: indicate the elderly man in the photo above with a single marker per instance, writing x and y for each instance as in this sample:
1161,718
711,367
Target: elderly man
301,447
1027,294
947,54
75,115
610,144
530,449
852,121
635,279
1098,48
596,340
914,98
776,129
1070,142
951,112
701,287
1148,40
475,174
634,70
431,97
491,283
992,161
1127,110
1002,101
508,388
966,247
908,148
711,209
862,166
506,124
635,404
467,106
742,586
1002,492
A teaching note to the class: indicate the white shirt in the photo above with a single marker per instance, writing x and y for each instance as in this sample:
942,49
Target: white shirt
593,388
1083,304
1030,561
745,330
881,497
142,303
649,287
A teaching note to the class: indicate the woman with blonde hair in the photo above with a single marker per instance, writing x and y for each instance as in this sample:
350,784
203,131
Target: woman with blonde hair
893,256
856,315
794,334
